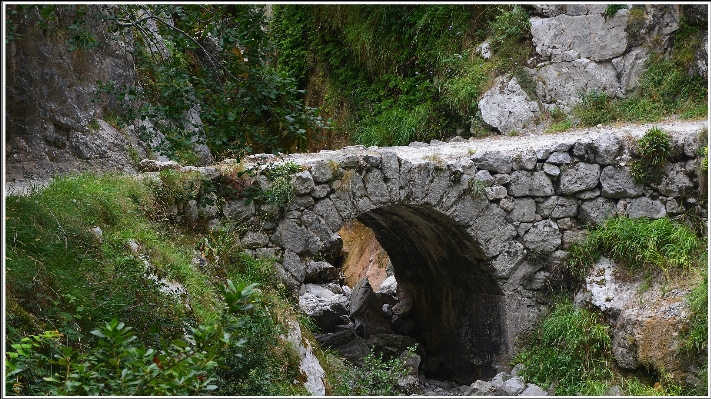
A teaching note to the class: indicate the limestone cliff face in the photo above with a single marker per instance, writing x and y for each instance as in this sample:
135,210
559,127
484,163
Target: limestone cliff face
52,121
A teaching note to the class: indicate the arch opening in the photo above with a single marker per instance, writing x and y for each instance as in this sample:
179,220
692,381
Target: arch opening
457,304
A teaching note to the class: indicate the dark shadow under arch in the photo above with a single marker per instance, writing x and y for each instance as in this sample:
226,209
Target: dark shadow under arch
457,303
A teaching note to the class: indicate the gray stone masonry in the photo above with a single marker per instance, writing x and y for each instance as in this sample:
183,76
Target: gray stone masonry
476,218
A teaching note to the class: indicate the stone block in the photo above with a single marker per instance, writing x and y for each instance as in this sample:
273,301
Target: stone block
617,182
534,184
579,177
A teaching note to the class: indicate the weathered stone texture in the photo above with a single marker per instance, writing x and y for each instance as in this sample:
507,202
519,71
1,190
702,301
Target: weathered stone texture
524,183
507,107
579,177
618,183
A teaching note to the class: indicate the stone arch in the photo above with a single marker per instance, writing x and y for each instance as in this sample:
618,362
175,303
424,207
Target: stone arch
456,302
471,219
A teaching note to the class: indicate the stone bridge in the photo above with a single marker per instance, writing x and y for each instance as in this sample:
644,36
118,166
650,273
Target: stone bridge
476,230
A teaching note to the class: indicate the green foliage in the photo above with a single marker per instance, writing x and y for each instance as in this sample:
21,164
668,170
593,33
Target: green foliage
116,366
280,190
634,387
650,155
557,127
56,266
470,79
571,348
385,68
637,245
266,365
704,152
510,26
476,188
215,59
60,277
376,377
612,9
290,26
594,108
396,127
698,333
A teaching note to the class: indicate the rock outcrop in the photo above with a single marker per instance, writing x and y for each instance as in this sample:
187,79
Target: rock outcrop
53,124
646,321
579,49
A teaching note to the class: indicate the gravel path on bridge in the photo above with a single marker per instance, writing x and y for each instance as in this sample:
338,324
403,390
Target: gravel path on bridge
418,152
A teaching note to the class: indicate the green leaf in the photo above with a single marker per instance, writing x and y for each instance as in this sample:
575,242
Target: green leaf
98,333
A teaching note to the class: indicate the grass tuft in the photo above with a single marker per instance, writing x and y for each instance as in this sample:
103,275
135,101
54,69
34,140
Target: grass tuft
637,245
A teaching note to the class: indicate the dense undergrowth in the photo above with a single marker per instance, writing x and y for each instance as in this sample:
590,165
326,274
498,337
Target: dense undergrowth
85,317
385,80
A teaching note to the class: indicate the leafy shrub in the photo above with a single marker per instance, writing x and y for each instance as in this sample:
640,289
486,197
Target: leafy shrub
510,26
571,348
376,377
637,244
265,365
396,126
281,189
115,366
650,154
704,152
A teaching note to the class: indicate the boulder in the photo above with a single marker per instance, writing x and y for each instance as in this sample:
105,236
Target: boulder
551,170
533,390
303,182
506,106
674,180
480,388
309,365
630,67
525,160
388,286
508,260
494,161
293,264
289,235
323,306
375,185
238,211
561,83
591,36
606,148
366,310
322,171
513,386
254,239
558,158
524,210
321,272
